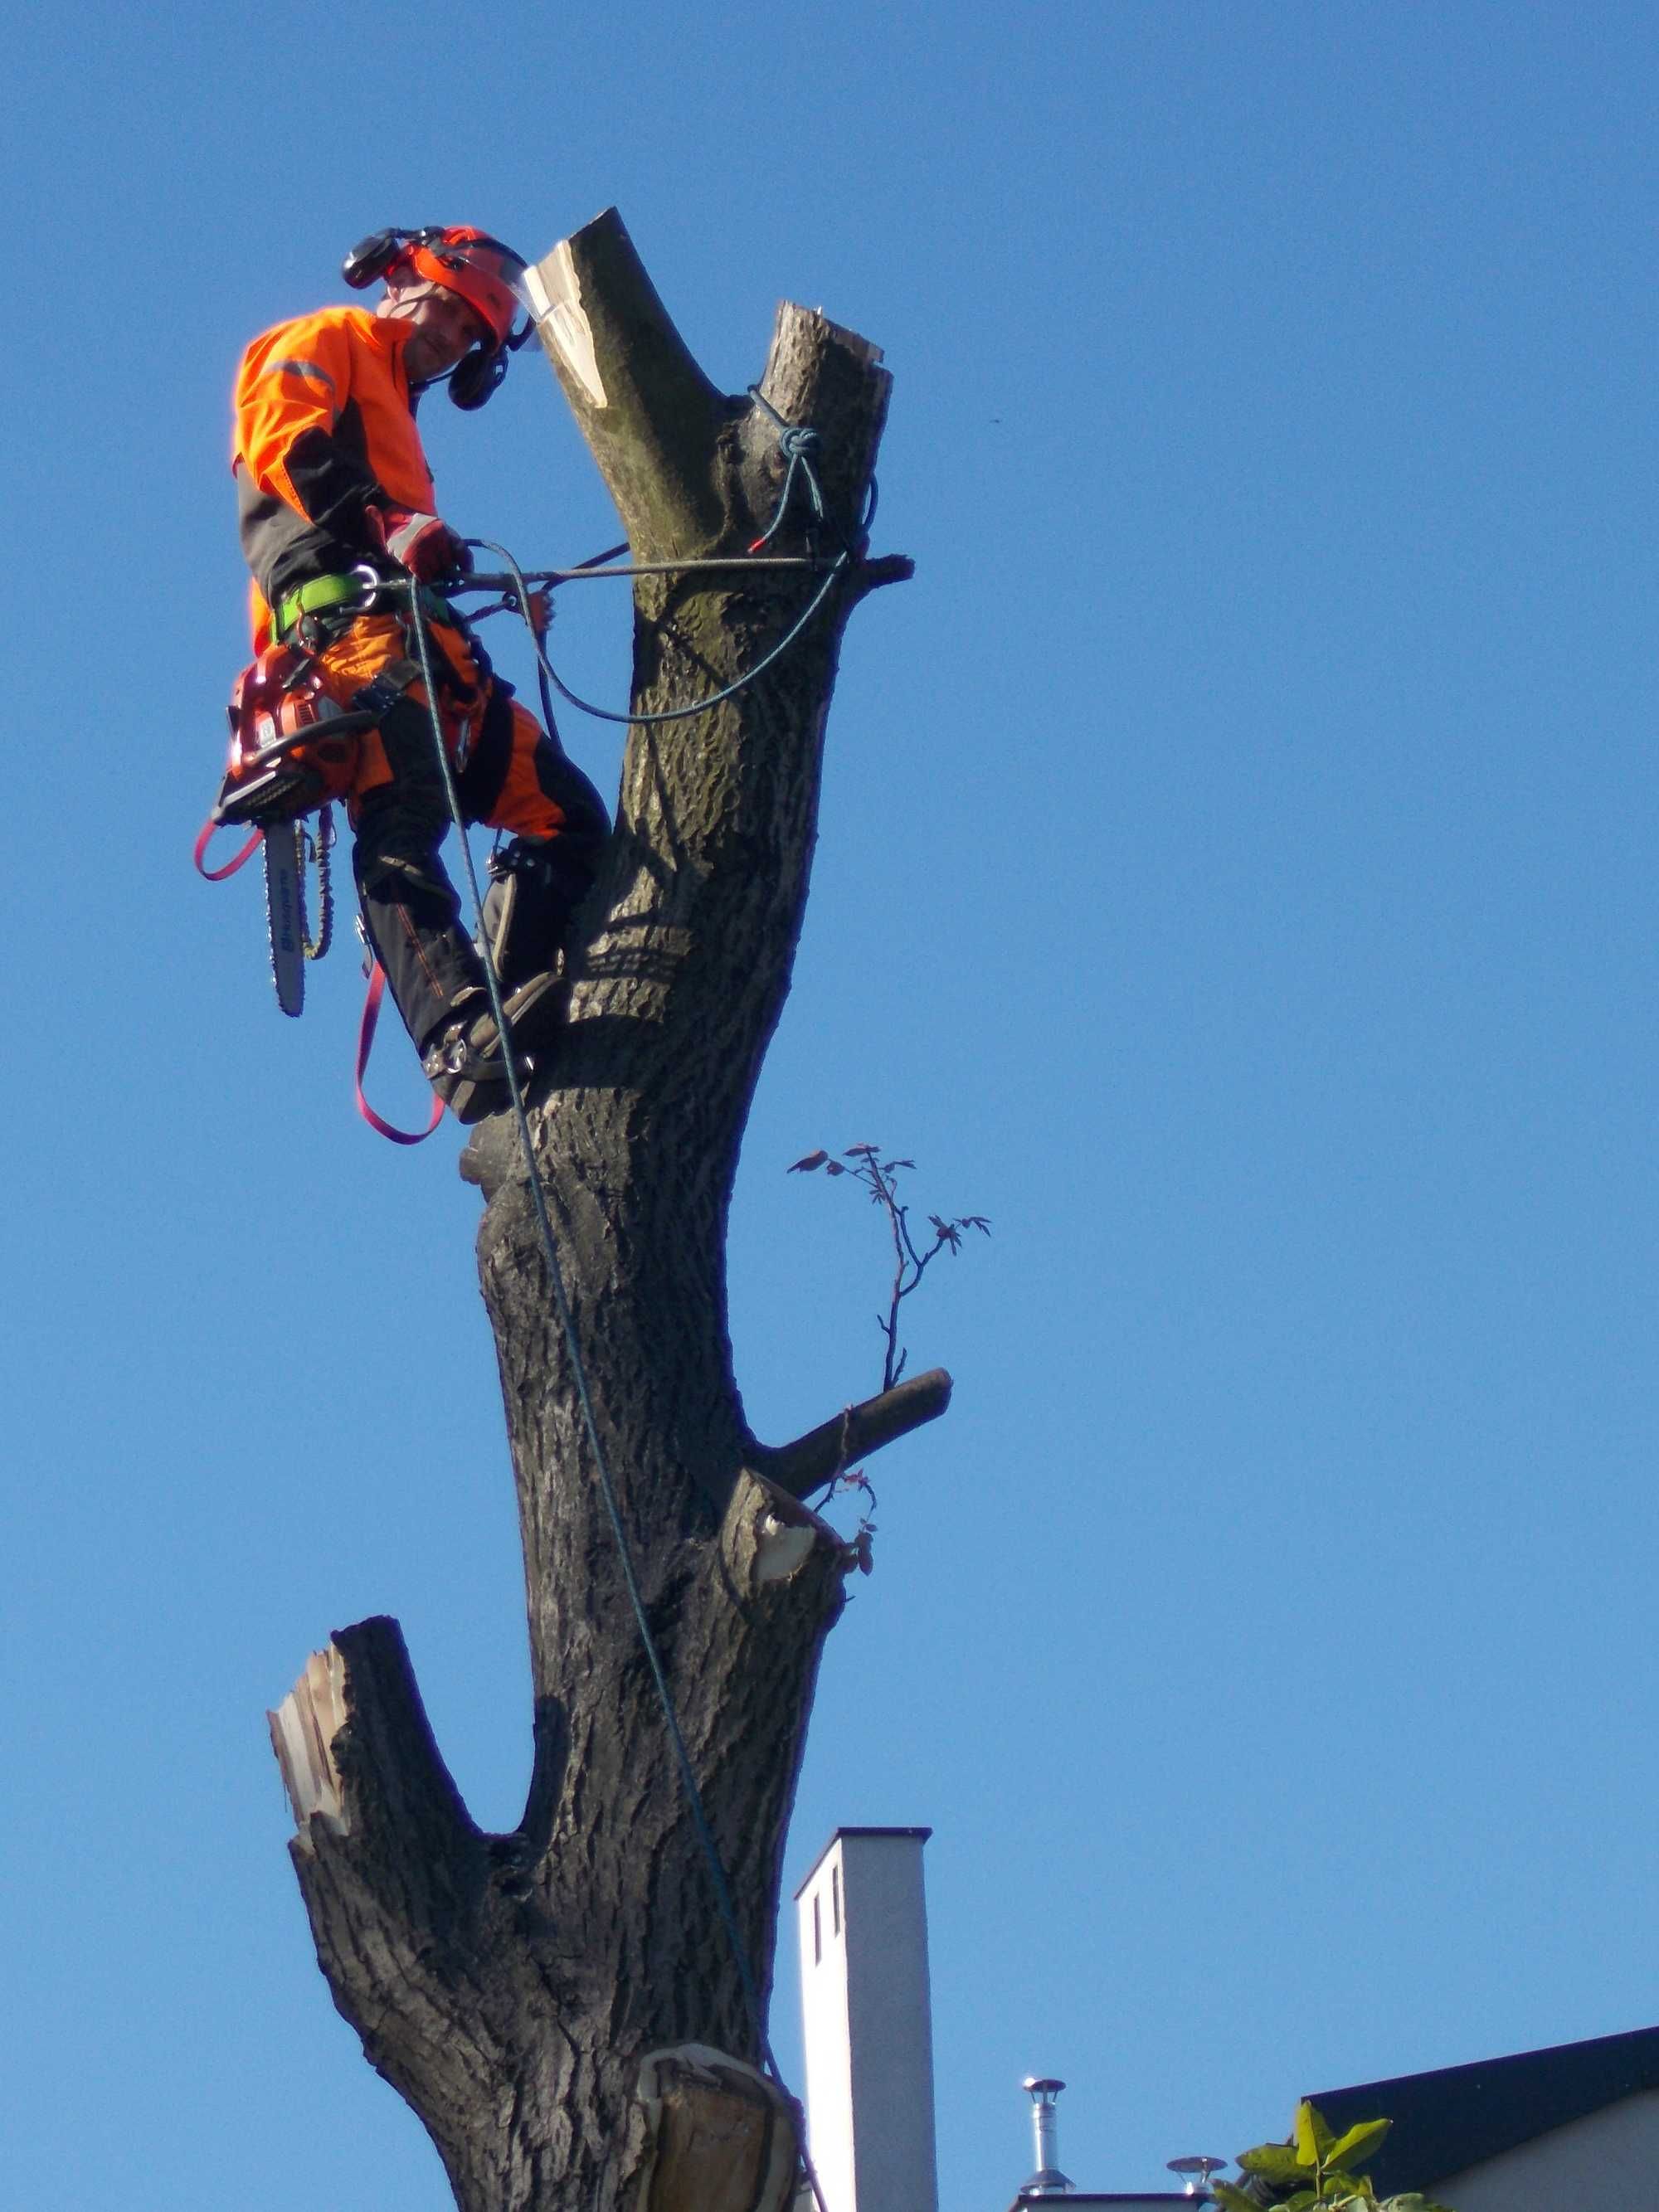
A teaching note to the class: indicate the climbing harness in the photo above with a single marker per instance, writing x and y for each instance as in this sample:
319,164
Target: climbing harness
299,613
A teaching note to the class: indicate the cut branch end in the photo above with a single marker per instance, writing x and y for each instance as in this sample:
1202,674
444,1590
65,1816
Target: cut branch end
827,1450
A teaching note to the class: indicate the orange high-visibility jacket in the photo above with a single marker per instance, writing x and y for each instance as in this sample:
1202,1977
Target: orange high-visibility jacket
324,425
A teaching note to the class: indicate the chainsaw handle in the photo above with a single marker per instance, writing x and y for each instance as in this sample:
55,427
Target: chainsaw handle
345,724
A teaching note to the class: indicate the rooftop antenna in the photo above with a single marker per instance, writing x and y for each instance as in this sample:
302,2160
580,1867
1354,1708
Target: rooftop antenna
1048,2180
1196,2173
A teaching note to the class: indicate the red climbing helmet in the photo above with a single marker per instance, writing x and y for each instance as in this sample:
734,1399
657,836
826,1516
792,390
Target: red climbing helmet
478,268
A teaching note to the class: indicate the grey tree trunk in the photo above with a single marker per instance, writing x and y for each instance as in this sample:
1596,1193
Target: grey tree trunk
562,2006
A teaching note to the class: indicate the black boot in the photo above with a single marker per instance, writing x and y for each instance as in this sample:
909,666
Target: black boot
465,1062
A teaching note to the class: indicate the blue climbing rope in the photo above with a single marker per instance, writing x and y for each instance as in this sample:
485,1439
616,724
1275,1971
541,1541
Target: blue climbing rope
798,454
797,444
705,1833
842,561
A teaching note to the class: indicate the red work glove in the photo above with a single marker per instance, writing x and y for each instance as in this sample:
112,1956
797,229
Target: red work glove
428,548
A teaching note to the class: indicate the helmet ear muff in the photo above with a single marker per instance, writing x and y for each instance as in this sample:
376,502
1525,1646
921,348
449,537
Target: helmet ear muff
371,257
480,372
476,375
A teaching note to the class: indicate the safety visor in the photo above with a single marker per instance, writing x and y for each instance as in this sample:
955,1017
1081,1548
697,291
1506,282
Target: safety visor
479,270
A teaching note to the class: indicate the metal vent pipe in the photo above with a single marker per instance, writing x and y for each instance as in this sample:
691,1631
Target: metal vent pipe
1048,2180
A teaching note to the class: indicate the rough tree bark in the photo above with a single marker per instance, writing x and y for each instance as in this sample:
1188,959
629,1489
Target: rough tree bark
562,2006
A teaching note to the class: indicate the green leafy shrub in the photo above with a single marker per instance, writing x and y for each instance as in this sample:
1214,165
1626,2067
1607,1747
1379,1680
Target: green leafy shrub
1319,2171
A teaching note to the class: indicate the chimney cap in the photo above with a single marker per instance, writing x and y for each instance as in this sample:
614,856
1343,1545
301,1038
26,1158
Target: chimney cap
903,1835
1196,2173
1041,2085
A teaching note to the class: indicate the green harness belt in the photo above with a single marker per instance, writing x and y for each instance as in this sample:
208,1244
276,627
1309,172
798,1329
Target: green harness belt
321,595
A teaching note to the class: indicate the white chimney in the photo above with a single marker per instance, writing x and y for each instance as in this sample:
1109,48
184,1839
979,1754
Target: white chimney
862,1918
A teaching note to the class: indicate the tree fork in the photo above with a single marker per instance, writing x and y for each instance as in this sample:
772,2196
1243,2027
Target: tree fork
562,2006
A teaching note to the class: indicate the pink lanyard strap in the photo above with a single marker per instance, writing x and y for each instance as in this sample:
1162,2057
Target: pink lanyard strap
218,875
365,1045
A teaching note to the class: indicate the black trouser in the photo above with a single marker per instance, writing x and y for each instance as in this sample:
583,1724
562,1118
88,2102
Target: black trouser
409,902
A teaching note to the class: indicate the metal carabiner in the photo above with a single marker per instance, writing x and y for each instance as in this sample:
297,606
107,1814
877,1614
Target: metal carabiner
372,582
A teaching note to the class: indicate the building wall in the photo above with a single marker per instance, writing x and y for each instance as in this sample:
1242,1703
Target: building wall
1609,2162
862,1920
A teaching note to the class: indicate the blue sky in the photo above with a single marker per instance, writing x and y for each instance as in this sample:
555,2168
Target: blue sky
1236,879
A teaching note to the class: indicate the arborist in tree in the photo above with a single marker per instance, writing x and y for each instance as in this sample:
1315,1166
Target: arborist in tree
332,482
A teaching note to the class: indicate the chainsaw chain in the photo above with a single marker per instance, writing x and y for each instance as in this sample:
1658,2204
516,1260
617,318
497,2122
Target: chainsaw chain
308,849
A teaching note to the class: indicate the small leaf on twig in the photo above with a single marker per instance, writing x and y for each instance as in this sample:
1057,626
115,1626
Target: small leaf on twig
975,1221
861,1151
855,1479
812,1160
835,1166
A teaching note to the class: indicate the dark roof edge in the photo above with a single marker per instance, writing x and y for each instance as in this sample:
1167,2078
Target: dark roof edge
1462,2116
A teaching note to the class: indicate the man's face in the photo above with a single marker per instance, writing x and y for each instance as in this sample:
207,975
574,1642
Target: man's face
445,327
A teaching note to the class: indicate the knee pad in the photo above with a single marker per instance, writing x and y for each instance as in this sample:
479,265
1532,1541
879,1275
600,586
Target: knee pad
536,883
396,858
388,876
